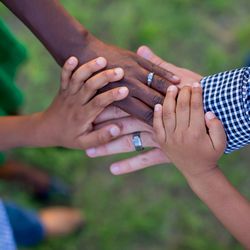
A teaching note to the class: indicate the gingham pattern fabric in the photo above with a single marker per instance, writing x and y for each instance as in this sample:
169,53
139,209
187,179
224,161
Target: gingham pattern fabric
6,237
227,95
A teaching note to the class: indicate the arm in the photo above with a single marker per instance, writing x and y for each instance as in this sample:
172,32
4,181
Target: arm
227,204
178,124
63,36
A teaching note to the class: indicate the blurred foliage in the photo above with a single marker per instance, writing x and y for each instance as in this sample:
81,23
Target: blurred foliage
153,209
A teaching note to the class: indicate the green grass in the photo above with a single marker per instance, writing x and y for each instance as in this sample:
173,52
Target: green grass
153,209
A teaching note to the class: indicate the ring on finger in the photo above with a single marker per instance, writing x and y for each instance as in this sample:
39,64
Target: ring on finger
150,78
137,142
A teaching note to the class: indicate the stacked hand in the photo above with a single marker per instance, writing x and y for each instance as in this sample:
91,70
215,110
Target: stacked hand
142,98
129,125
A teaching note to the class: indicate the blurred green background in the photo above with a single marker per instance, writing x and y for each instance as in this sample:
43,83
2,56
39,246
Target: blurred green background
152,209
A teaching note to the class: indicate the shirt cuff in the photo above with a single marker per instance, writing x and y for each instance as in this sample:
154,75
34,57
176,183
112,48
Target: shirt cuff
227,95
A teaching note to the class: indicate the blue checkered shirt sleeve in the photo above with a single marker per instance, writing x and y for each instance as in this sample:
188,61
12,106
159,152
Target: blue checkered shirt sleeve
227,95
6,237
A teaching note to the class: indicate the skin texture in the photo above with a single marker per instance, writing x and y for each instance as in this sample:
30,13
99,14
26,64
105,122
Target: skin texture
194,142
72,112
129,125
45,18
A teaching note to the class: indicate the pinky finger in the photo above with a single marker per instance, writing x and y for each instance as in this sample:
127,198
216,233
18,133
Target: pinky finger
67,71
141,161
99,137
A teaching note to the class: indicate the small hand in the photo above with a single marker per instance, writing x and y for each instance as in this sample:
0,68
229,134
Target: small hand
181,130
68,122
141,99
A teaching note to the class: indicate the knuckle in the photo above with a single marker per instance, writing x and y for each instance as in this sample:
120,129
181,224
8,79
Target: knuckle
128,143
148,116
168,114
158,100
103,137
161,84
183,105
196,104
89,86
75,78
89,67
97,102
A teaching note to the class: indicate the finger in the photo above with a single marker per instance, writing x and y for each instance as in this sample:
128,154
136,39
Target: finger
158,123
158,83
110,113
169,110
138,108
141,161
197,116
127,125
149,55
123,144
166,76
84,72
148,95
101,101
183,109
67,71
99,137
98,81
216,132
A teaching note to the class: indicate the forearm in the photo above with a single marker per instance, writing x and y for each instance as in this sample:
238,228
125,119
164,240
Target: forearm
60,33
228,205
22,131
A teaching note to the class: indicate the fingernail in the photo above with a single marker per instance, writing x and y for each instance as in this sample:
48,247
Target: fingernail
196,85
176,78
118,71
210,115
158,107
172,88
145,52
114,131
72,61
115,169
91,151
123,91
101,61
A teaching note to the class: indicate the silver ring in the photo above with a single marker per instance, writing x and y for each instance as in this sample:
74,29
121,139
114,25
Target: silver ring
137,142
150,78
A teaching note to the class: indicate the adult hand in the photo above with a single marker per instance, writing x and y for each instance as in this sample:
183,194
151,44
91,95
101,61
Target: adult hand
141,99
124,144
187,76
128,125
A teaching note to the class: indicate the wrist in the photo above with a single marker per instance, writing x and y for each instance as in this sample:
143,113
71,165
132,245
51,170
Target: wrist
89,48
43,131
206,179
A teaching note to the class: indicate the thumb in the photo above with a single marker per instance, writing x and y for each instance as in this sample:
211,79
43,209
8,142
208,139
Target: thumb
216,131
148,54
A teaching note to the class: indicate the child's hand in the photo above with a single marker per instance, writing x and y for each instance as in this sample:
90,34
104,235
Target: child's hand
181,130
68,121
